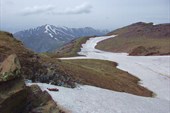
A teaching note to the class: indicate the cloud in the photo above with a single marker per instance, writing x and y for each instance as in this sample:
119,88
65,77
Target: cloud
50,9
80,9
37,10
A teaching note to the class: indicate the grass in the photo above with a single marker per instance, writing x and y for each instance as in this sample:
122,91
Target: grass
123,44
102,74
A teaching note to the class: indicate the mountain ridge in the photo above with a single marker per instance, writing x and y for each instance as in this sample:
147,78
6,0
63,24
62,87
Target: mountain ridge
49,37
144,29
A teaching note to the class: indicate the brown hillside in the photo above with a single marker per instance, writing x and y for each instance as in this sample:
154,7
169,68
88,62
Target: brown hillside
33,66
141,29
139,39
29,60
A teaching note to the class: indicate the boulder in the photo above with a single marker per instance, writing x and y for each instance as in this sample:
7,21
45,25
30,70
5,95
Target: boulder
13,92
143,51
16,97
40,102
10,68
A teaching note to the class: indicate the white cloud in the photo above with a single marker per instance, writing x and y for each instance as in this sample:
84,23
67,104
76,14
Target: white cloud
37,10
80,9
50,9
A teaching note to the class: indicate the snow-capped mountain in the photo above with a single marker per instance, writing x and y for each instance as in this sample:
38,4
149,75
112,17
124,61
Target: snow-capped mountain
48,37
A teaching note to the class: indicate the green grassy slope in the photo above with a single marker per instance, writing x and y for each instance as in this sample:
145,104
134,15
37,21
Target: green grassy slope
102,74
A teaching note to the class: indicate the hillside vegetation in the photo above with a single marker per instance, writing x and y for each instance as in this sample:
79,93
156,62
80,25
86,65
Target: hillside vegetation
70,49
102,74
139,39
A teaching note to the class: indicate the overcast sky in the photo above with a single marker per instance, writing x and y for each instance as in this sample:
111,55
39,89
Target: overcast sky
17,15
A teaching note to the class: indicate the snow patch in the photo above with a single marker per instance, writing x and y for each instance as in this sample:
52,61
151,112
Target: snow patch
50,35
46,28
55,38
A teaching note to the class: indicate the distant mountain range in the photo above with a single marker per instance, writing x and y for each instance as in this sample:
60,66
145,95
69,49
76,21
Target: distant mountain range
48,37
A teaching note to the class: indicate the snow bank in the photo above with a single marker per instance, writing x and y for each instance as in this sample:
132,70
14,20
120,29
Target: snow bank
89,99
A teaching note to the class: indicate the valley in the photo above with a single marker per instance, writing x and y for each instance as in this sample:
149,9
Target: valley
90,69
84,56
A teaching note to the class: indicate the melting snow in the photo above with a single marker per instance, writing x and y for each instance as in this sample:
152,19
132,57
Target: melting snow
154,72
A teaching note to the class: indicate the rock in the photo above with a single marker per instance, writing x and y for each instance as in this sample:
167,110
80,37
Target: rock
13,93
41,102
143,51
10,68
16,97
138,50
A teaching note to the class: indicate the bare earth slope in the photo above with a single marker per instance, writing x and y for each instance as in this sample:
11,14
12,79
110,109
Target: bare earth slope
139,39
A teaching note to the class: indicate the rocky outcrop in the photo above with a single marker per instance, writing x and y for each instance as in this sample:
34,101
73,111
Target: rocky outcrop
13,93
143,51
10,68
16,97
55,77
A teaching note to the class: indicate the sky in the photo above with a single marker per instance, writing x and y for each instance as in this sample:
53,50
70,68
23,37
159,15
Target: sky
16,15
